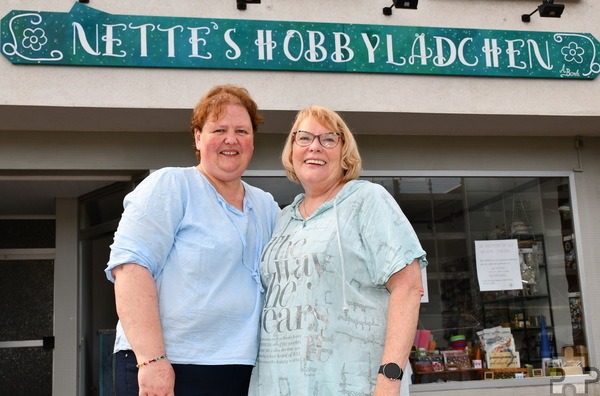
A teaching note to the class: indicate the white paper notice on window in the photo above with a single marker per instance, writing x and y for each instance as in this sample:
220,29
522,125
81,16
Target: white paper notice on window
498,265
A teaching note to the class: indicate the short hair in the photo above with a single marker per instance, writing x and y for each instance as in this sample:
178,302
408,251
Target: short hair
351,161
212,103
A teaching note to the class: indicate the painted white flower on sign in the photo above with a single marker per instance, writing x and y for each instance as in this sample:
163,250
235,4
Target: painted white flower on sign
573,53
34,39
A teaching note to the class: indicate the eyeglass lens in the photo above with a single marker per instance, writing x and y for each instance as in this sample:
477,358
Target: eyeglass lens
327,140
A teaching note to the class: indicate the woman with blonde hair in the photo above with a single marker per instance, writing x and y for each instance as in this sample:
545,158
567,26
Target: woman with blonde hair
342,273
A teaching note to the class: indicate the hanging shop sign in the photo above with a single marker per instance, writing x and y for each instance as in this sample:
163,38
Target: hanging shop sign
88,37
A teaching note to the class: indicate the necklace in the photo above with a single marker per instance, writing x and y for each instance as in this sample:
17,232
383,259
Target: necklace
302,205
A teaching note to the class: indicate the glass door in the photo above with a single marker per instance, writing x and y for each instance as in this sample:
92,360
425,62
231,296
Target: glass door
99,215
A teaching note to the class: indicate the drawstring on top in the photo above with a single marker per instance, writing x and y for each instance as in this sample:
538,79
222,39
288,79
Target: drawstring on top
341,252
252,267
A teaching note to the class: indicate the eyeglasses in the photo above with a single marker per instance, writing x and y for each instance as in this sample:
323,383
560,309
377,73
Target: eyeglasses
327,140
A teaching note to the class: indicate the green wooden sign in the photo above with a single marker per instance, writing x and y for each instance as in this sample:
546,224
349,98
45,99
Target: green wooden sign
88,37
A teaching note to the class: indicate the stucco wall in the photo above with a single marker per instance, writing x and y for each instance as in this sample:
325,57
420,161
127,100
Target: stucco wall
156,88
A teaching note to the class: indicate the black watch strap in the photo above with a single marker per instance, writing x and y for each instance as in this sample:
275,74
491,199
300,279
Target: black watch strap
391,371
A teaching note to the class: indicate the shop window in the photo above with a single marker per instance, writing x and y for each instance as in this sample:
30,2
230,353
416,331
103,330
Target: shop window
503,292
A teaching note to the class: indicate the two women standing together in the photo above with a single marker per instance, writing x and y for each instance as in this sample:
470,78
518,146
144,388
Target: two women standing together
206,269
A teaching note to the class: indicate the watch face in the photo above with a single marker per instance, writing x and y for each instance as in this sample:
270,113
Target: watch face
392,371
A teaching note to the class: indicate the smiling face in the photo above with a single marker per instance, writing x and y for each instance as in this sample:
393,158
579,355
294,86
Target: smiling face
317,167
226,145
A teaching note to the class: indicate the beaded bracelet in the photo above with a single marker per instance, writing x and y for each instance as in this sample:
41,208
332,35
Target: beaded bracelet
151,361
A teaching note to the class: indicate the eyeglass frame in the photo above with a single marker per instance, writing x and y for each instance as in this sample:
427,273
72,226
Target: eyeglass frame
318,137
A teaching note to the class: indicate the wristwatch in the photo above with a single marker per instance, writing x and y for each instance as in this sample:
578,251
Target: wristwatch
391,371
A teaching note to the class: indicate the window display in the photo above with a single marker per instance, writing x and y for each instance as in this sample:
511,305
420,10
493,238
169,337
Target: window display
520,319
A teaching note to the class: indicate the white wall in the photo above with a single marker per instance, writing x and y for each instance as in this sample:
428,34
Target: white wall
155,88
66,280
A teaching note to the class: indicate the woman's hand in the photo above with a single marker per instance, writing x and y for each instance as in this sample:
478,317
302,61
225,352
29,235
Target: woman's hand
157,379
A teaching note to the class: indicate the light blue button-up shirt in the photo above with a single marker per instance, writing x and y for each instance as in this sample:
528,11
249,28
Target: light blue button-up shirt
204,255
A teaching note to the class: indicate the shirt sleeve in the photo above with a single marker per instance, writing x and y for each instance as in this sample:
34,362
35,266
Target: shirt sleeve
151,217
388,235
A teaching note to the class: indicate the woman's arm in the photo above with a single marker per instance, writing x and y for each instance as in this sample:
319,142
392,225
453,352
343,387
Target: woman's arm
406,290
137,307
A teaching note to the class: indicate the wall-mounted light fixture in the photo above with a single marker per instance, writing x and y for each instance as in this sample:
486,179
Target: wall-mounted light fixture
241,4
411,4
548,9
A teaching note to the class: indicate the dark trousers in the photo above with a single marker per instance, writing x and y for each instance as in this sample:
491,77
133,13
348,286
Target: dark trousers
190,379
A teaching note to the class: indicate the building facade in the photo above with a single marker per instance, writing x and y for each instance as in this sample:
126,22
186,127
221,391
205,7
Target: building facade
475,148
